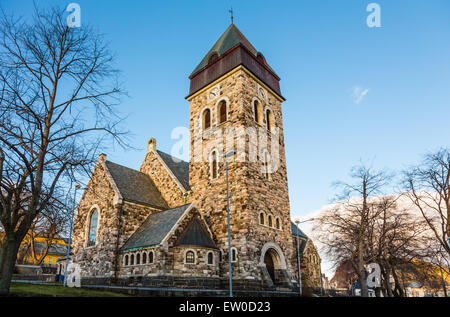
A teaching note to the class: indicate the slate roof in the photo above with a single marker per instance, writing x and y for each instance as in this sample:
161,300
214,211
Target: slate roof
154,229
303,237
178,167
196,235
297,232
230,38
135,186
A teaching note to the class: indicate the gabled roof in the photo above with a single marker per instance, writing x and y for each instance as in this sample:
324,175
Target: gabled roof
179,168
154,229
135,187
230,38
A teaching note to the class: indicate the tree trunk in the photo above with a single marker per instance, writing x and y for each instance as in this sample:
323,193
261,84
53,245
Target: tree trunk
387,280
8,255
363,283
398,290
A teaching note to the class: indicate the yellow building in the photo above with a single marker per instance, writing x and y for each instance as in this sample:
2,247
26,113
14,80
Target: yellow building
38,250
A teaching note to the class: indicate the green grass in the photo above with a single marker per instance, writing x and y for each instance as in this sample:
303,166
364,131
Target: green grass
24,289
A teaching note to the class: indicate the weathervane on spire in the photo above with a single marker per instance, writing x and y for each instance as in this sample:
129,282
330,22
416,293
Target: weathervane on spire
231,12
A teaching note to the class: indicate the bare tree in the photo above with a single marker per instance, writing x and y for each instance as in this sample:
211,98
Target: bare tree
397,236
428,187
58,92
344,229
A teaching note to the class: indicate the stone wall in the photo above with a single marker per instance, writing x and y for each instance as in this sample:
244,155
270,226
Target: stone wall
147,269
200,267
97,260
310,266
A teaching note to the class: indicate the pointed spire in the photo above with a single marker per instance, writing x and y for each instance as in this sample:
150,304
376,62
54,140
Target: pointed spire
230,38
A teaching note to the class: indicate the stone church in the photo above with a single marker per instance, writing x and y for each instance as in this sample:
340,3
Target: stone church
166,223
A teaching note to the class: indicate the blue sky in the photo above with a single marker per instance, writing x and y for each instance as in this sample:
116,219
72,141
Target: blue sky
323,51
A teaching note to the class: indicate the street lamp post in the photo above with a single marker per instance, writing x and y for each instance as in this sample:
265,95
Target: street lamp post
297,221
77,186
227,155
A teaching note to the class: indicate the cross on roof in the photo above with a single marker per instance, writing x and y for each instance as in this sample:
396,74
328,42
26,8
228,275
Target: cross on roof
231,12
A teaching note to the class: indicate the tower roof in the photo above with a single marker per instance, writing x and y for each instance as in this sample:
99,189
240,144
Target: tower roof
231,50
230,38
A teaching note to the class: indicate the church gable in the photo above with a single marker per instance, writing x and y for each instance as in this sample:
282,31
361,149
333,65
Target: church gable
170,175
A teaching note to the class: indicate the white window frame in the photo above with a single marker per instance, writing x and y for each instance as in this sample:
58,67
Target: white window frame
195,257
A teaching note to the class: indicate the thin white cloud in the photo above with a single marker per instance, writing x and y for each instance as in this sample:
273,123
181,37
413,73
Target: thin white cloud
358,94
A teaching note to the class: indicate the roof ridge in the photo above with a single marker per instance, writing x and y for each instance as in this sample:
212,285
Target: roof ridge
132,169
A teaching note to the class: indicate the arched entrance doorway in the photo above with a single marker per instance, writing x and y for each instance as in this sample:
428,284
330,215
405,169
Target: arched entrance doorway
274,264
270,266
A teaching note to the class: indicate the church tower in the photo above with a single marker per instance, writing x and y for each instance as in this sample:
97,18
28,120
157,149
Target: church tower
235,104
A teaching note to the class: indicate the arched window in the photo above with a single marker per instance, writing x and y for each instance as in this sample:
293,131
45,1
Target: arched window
270,221
269,120
190,257
262,218
144,258
257,111
126,259
278,223
151,257
132,259
206,119
210,258
222,111
214,165
138,259
93,222
233,255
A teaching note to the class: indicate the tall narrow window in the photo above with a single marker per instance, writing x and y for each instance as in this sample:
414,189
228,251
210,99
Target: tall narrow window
144,258
93,221
262,219
138,259
190,257
132,259
150,257
233,255
278,223
269,119
266,170
257,111
270,221
214,165
206,119
222,111
210,258
126,259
